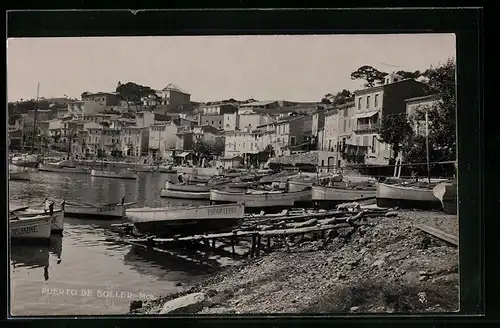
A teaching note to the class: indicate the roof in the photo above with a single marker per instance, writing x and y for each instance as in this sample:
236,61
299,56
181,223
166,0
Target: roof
173,87
367,114
382,86
258,103
434,96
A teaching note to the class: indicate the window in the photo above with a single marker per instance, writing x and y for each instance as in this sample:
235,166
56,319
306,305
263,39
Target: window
374,142
346,112
349,123
359,103
292,140
345,125
376,101
212,122
227,126
365,141
368,102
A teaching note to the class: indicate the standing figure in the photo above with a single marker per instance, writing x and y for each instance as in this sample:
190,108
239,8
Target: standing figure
181,180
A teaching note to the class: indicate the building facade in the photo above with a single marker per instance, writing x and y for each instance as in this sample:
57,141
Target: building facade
175,98
420,104
162,138
98,102
134,141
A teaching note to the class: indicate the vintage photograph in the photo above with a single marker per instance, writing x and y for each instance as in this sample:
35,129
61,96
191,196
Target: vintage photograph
255,174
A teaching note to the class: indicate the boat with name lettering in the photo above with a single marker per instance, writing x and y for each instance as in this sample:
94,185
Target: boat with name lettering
34,256
57,215
29,228
101,211
181,220
256,200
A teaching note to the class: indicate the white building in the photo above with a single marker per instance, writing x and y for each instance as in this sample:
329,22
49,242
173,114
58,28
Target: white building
162,137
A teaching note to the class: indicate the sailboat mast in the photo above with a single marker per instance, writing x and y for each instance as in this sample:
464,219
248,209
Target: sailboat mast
35,117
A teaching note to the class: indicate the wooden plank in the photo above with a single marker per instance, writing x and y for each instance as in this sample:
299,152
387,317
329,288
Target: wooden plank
438,234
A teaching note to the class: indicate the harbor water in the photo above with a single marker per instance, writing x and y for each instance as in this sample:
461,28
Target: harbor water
82,272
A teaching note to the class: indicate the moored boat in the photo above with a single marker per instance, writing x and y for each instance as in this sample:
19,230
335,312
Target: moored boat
26,160
97,211
188,187
143,168
62,169
299,185
191,220
446,192
19,176
406,197
256,200
166,169
56,217
202,172
331,196
195,195
112,174
30,228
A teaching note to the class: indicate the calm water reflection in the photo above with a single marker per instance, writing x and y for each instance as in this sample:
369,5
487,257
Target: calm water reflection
83,273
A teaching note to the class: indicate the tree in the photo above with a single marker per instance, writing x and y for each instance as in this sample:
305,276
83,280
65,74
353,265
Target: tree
132,92
442,119
218,147
409,75
326,101
371,75
342,97
394,130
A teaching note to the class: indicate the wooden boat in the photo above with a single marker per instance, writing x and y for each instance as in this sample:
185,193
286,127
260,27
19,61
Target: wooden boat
299,185
34,256
143,168
331,196
97,211
19,176
55,169
111,174
191,220
446,192
256,200
30,228
199,171
26,160
195,195
57,216
188,187
406,197
166,169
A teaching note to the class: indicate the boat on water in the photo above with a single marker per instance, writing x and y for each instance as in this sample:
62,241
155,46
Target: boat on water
201,172
167,193
143,168
185,220
446,192
56,217
299,185
327,196
64,166
255,200
35,256
189,187
30,228
19,176
391,195
113,174
26,160
166,169
97,211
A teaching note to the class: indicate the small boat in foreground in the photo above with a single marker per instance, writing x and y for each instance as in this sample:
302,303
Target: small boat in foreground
332,196
112,174
299,185
191,220
101,211
56,217
30,228
406,197
26,160
446,192
19,176
198,195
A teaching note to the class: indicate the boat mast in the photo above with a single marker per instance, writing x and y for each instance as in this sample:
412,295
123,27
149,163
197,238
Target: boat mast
427,145
35,117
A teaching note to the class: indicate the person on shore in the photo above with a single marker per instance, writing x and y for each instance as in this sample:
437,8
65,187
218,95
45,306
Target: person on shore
180,179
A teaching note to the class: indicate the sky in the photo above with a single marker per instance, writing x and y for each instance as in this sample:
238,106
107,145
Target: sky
281,67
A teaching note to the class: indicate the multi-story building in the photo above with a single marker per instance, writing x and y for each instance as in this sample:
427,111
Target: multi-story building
219,109
98,118
76,108
259,104
231,122
215,120
290,133
175,98
134,141
185,140
162,138
317,126
205,133
251,119
98,102
420,103
243,142
144,119
104,139
372,104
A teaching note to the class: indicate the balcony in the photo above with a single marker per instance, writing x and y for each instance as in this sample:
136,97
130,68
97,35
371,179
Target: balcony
367,127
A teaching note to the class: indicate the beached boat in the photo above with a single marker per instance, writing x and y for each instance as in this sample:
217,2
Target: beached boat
56,220
112,174
191,220
446,192
195,195
255,200
19,176
97,211
30,228
406,197
331,196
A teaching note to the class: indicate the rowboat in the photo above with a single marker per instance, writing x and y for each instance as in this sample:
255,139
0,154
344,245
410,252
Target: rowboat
198,171
111,174
62,169
143,168
331,196
256,200
406,197
188,187
97,211
446,192
56,221
19,176
30,228
192,220
204,195
299,185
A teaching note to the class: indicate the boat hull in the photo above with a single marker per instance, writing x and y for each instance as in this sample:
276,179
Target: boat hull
30,229
447,194
184,194
327,197
206,172
175,221
406,197
19,176
187,187
116,175
103,212
294,186
56,221
49,168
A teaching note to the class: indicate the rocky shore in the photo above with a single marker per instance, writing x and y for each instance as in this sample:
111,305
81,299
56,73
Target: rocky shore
385,265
